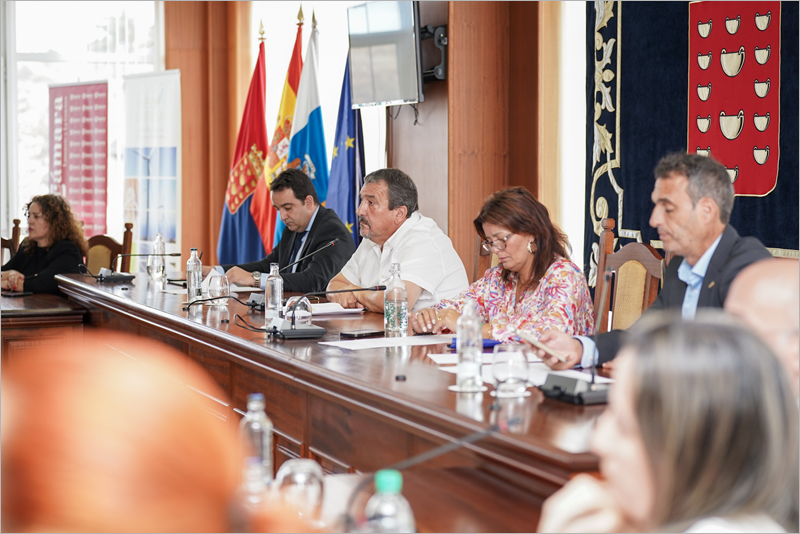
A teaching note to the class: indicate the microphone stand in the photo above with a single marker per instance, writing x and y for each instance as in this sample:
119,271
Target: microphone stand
501,426
320,249
171,254
292,331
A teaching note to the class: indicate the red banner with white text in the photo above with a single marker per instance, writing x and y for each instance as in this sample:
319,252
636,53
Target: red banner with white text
79,151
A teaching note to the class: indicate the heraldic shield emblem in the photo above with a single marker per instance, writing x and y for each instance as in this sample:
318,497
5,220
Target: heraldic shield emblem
734,90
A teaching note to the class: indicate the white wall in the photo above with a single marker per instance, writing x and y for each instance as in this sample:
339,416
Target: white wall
280,30
572,118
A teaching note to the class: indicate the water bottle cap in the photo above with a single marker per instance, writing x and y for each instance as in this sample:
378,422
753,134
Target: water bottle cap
194,250
388,481
255,401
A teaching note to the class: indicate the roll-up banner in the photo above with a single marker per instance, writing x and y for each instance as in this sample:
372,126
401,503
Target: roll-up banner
79,150
153,163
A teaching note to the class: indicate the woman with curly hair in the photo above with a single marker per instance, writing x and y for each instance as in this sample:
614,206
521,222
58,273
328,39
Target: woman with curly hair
55,245
534,288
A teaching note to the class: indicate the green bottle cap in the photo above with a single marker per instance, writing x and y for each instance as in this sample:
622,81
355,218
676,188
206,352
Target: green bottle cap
388,481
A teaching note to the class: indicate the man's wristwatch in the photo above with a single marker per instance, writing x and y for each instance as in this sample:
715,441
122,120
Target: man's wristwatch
257,278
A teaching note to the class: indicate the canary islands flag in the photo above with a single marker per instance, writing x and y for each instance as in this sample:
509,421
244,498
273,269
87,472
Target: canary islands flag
307,144
347,163
240,240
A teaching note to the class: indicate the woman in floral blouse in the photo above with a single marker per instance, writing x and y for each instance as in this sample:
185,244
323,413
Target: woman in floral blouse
534,288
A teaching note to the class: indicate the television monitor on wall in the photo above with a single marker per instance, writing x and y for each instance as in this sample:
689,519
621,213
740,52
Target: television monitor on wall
385,61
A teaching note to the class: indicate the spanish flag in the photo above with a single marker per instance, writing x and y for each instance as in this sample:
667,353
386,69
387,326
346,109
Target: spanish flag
240,234
263,211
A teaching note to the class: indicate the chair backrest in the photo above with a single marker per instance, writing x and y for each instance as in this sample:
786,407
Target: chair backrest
104,249
637,269
11,244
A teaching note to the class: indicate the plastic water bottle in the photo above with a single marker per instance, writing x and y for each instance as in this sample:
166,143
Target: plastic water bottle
274,292
194,276
395,305
254,487
469,345
156,264
388,510
255,434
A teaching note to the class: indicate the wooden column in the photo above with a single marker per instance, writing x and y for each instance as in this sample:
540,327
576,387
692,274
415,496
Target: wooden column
478,110
207,41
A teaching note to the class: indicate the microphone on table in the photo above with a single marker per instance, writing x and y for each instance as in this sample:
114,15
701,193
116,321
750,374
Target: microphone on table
108,275
290,330
256,300
501,426
574,390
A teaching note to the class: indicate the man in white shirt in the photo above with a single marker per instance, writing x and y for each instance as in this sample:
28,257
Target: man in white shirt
395,232
766,298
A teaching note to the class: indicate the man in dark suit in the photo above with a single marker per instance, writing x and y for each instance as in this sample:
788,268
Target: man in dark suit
693,199
309,227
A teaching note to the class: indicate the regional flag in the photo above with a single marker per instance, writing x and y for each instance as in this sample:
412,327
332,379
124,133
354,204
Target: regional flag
347,164
265,213
307,144
239,238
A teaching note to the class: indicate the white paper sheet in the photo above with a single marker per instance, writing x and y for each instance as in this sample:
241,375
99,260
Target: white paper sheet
334,308
452,358
382,342
537,374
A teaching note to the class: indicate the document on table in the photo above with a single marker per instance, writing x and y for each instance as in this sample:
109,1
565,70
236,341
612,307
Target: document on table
383,342
537,374
452,358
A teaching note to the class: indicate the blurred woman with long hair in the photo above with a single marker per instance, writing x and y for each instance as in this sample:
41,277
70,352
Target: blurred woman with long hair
700,435
55,245
535,287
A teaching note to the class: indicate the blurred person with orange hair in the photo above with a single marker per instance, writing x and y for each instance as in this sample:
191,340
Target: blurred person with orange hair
96,441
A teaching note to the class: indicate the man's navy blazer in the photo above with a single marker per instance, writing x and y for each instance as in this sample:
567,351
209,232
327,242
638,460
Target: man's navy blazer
733,254
314,273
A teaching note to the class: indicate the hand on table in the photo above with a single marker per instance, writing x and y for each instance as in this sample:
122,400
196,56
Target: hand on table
13,280
240,277
346,300
432,320
583,505
563,343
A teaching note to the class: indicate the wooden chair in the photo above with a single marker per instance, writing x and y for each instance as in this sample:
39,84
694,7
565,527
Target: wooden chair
104,249
637,272
12,245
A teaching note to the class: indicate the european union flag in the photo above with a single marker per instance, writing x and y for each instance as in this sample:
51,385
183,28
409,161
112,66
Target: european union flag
347,164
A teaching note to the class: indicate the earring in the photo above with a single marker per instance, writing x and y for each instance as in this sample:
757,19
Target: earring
529,247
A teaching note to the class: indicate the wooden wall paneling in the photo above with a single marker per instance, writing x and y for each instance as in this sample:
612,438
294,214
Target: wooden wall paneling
478,110
547,125
421,150
523,95
208,43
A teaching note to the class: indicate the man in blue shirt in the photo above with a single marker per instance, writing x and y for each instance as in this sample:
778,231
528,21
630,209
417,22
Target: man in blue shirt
693,198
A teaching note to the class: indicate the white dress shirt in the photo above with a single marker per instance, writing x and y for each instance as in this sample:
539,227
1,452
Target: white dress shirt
426,257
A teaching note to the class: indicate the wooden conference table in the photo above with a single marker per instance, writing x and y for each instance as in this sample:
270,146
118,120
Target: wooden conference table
30,322
359,411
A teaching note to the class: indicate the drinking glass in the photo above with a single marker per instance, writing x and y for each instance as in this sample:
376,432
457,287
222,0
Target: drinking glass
156,268
510,371
303,309
299,484
219,289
